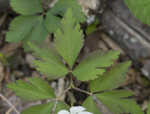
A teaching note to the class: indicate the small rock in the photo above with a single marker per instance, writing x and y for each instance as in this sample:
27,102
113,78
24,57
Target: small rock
89,4
29,59
146,69
35,73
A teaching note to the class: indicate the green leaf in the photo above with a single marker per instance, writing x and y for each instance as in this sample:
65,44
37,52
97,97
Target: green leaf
39,32
34,89
69,39
140,8
45,108
52,20
39,109
26,7
148,111
50,63
118,93
62,6
90,105
117,102
20,27
111,79
92,27
94,65
61,106
26,28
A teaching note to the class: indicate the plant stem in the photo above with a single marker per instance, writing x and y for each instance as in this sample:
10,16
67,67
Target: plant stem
78,89
83,91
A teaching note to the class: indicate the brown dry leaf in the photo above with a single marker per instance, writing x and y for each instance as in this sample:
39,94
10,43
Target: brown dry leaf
9,49
111,44
131,77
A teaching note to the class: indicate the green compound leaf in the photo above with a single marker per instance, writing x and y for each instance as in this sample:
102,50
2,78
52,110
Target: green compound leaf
26,7
50,63
39,32
69,39
90,105
117,102
94,65
52,22
34,89
140,8
26,28
45,108
20,27
111,79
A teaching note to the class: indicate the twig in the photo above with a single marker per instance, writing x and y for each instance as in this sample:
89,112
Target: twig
3,19
10,110
10,104
61,88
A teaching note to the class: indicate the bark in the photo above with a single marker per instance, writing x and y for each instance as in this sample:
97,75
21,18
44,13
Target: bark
4,5
128,32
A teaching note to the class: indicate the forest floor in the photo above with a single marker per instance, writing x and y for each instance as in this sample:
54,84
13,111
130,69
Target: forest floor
116,30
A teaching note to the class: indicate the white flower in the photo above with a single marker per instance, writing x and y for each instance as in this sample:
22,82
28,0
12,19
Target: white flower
75,110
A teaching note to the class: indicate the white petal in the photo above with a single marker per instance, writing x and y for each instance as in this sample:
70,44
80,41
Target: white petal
63,112
76,109
84,112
